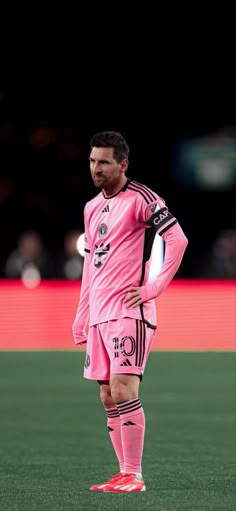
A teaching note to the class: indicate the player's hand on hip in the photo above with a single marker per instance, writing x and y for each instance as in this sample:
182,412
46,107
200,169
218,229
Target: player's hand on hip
132,296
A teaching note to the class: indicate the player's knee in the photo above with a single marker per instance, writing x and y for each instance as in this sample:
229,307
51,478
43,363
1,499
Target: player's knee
105,395
122,390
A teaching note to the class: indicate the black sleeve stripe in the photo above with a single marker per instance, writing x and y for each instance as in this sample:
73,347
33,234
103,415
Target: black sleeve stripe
167,227
150,194
147,197
139,191
87,250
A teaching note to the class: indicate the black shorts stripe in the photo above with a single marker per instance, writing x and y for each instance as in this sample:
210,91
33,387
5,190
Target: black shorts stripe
143,343
140,342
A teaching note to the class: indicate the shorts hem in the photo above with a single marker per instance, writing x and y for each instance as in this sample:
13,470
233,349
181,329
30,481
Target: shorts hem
97,378
121,370
128,370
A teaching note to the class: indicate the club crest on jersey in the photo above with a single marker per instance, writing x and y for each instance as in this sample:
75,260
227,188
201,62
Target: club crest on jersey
153,208
102,230
87,361
101,252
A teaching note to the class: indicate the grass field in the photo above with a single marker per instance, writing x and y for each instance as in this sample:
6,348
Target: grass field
54,443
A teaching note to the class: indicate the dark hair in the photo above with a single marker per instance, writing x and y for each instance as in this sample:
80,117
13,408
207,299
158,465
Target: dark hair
112,139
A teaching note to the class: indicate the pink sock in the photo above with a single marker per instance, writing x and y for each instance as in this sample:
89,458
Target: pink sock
114,428
132,434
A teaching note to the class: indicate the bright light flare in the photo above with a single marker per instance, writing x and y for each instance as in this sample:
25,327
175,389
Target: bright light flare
81,244
157,257
30,276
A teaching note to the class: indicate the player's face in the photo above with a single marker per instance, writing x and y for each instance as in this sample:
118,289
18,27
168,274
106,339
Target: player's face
106,172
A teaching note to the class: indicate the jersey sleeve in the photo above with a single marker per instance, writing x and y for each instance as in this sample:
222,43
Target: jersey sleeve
158,216
79,327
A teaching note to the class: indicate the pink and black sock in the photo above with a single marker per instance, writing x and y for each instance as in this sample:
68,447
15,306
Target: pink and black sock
132,434
114,428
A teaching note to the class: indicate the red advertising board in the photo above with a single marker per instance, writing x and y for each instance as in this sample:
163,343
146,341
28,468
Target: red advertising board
192,315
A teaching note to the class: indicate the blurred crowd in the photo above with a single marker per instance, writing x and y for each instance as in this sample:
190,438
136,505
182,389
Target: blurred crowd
31,258
45,182
220,261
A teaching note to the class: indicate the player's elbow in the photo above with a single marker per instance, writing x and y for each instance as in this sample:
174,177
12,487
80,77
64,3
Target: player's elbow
183,243
182,238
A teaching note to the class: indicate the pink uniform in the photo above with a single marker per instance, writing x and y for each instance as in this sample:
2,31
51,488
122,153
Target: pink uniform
117,346
119,235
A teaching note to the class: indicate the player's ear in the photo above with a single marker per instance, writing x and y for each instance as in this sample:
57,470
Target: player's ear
124,165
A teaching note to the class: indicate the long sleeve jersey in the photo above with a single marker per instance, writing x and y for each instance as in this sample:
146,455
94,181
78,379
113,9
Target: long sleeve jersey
119,236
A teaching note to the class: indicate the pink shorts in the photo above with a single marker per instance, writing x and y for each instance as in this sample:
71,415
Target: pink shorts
116,347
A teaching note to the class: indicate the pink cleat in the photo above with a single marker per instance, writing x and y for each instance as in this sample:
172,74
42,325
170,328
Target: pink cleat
102,486
128,483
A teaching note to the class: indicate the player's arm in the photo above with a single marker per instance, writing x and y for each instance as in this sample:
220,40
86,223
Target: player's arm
175,244
80,324
79,327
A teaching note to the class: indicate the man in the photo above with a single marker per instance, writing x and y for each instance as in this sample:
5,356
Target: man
117,297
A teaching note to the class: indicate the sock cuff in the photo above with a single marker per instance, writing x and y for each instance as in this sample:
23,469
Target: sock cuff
129,406
112,413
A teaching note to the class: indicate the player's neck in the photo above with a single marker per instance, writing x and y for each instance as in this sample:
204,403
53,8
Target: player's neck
116,188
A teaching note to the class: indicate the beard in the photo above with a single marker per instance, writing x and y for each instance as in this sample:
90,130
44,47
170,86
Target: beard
99,181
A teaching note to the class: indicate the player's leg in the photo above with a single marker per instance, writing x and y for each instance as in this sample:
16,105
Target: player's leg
97,367
114,429
131,348
113,421
125,392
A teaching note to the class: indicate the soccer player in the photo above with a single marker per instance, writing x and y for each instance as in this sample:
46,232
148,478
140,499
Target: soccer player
116,315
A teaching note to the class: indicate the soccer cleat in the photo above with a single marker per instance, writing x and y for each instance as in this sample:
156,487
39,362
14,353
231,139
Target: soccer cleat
102,486
128,483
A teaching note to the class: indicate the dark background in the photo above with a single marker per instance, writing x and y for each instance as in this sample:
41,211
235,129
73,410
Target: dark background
45,127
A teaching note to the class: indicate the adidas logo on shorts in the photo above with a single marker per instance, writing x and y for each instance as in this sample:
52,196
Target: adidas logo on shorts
126,363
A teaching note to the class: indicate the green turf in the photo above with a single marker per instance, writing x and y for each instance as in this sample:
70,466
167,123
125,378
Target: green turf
54,443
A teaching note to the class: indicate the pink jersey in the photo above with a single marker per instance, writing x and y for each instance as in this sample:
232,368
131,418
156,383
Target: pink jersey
119,235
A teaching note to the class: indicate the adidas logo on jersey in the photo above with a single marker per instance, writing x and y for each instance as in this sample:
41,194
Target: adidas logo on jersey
126,363
106,209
